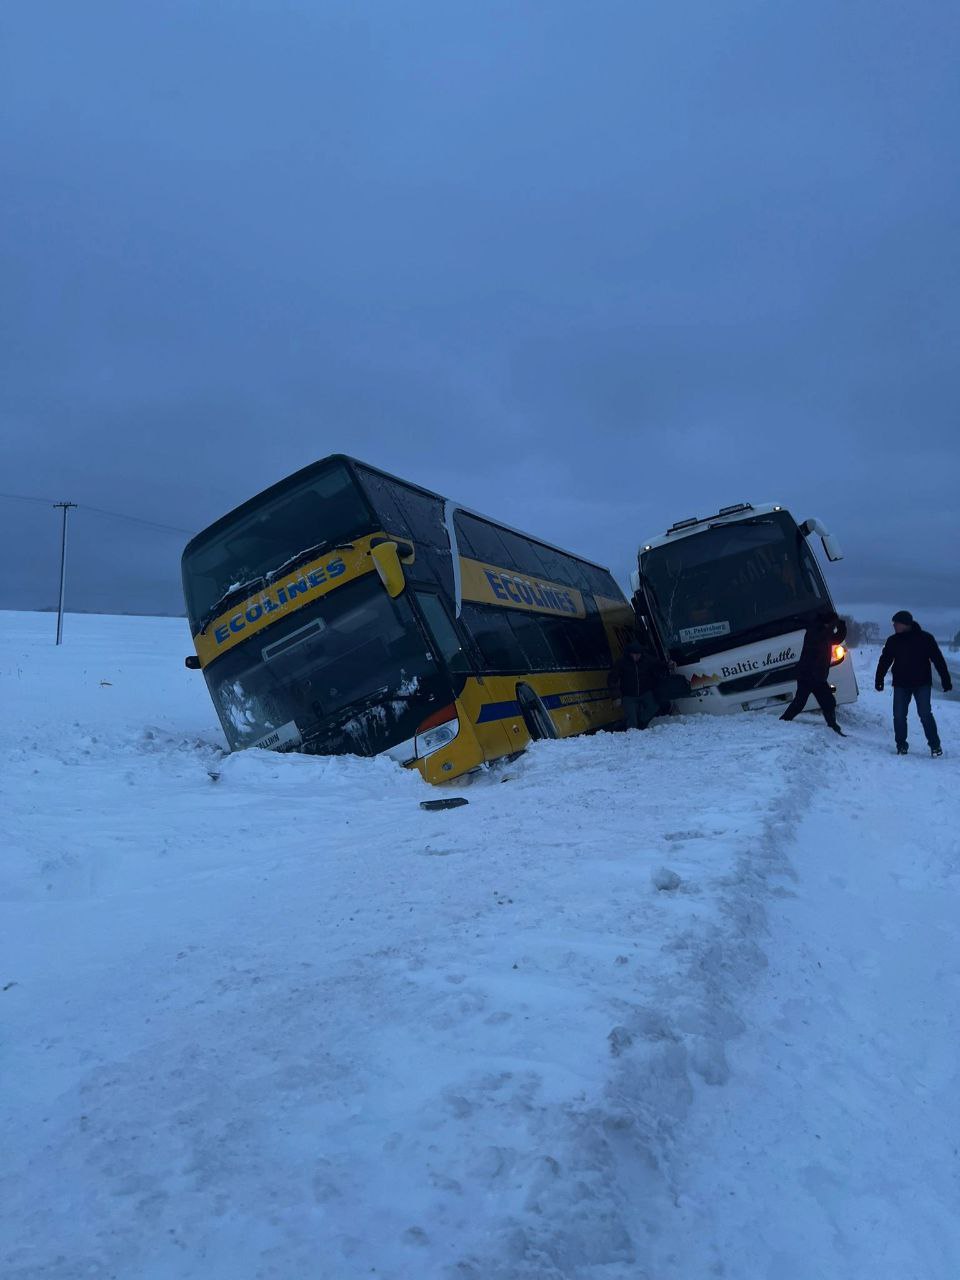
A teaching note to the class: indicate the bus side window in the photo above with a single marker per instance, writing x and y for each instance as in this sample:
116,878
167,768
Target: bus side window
494,637
580,642
532,638
443,632
555,568
522,552
604,584
558,633
486,542
464,541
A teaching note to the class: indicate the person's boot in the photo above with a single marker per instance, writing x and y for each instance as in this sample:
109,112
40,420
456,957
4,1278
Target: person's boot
902,751
936,751
836,728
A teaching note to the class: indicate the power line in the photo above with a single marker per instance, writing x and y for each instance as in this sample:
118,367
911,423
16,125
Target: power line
152,524
19,497
100,511
65,508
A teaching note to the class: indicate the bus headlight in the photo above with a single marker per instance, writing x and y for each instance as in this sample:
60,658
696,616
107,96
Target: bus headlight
437,732
838,655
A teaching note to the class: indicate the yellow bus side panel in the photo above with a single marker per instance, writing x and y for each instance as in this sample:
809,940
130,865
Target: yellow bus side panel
489,584
492,725
619,622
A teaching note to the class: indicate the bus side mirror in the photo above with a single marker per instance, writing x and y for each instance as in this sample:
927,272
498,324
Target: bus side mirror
192,661
387,560
831,547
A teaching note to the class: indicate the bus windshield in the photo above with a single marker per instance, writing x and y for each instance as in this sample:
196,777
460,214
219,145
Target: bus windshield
730,583
318,667
324,510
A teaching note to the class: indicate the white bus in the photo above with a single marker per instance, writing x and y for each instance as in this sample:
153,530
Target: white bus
728,599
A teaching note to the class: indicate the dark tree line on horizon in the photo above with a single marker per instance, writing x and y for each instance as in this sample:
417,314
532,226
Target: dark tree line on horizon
861,633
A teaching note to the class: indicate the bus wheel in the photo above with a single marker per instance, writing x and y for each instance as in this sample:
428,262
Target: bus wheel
535,714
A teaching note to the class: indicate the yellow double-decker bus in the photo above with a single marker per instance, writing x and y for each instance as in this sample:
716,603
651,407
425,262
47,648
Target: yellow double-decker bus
346,611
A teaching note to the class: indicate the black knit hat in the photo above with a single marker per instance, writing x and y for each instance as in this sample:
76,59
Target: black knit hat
904,616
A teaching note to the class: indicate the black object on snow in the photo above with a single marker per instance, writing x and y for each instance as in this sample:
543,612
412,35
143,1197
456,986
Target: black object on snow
454,802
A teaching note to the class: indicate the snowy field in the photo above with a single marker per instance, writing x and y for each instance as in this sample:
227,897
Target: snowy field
659,1006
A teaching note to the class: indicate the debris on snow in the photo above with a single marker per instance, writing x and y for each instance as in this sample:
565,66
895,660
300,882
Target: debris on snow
665,879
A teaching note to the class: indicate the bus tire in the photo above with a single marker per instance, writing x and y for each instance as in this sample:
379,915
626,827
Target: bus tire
535,715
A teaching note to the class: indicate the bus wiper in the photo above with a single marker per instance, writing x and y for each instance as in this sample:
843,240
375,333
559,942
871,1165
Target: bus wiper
230,596
306,554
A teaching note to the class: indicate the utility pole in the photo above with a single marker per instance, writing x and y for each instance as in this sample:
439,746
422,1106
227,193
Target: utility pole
64,507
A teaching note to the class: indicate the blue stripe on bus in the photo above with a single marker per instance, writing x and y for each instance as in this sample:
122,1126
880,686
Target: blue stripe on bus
497,711
552,701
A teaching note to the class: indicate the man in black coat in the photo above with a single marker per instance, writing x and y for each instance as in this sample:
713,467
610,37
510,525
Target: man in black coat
636,677
822,634
910,651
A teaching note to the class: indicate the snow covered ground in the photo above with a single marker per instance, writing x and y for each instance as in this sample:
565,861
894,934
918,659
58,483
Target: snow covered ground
666,1005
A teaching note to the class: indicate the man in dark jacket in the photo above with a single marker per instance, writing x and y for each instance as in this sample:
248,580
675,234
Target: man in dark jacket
636,677
822,634
910,651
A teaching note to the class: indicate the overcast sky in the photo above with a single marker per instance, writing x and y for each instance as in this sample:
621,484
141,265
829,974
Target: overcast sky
589,267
